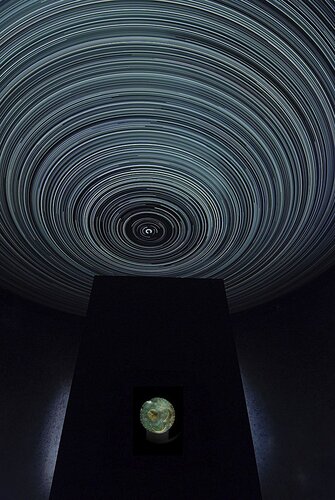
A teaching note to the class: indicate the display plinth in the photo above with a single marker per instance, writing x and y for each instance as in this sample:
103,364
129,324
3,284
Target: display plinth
146,338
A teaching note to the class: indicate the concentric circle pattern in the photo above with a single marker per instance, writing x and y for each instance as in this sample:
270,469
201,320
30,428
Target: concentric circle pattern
180,138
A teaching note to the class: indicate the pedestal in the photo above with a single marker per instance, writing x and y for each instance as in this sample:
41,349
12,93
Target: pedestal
169,338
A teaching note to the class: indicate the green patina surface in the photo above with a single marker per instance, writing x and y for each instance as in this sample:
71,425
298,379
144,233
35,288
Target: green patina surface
157,415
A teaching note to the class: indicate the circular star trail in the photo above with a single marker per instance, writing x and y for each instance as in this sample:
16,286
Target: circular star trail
165,138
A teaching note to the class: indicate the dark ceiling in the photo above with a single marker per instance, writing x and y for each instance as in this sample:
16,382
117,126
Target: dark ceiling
165,138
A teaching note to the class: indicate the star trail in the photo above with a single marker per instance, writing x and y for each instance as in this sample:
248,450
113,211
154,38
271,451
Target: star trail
166,138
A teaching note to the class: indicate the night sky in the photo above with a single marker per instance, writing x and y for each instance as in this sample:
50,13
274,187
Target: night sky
176,139
165,138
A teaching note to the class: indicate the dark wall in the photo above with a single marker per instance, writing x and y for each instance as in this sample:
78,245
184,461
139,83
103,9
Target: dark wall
38,348
286,351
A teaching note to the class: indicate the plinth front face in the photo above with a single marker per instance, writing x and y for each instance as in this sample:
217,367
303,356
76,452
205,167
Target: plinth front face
200,448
